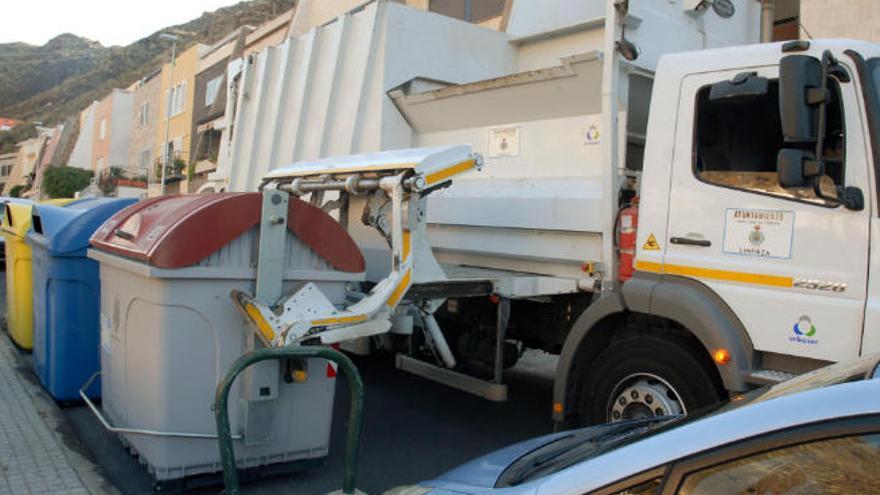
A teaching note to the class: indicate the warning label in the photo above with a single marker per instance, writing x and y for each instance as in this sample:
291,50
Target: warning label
651,244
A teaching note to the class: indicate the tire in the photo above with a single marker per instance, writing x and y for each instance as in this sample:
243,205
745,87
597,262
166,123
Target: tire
646,376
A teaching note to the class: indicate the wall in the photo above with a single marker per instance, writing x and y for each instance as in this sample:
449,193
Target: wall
143,137
856,19
269,33
111,150
81,156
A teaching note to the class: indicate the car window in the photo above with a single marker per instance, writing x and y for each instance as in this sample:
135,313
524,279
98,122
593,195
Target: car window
835,466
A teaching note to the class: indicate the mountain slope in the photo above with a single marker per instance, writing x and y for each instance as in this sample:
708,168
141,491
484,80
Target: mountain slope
26,70
73,85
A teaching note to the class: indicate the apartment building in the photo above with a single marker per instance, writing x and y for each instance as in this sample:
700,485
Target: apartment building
112,131
81,155
209,104
146,114
806,19
176,90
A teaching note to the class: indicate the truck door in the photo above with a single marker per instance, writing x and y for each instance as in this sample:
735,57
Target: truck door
792,266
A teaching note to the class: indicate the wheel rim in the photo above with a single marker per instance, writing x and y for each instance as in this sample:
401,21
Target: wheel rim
643,395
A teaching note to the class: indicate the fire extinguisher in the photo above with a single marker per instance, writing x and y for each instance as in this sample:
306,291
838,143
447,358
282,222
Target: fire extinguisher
627,226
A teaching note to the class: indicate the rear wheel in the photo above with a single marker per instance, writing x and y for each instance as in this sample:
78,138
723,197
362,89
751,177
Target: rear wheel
645,376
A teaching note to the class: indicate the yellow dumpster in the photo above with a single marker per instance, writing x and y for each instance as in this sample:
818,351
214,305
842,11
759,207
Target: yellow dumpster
19,282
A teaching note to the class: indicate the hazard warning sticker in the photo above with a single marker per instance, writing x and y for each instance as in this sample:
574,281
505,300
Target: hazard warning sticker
651,244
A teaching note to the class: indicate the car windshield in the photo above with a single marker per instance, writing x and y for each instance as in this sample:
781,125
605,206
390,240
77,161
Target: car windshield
596,441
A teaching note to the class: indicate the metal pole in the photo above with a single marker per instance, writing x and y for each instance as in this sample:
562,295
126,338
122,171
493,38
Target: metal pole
355,412
767,17
168,104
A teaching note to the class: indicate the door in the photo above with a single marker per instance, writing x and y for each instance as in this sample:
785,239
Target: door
791,266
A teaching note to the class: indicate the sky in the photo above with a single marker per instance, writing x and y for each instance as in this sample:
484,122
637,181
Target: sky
111,22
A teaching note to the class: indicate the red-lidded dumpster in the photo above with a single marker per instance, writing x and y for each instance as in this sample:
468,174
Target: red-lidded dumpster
169,330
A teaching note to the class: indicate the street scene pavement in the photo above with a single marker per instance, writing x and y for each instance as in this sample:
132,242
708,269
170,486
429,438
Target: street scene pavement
419,427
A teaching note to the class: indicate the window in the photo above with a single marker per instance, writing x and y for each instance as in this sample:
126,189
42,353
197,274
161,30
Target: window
836,466
144,159
468,10
175,99
102,128
144,114
736,143
212,89
100,164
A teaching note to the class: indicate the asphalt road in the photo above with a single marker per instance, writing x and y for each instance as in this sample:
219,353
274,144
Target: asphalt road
414,429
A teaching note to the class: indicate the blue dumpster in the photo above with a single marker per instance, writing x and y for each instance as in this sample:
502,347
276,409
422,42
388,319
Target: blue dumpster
67,294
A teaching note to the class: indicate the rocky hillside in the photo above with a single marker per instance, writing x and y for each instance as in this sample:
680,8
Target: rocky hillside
60,78
27,70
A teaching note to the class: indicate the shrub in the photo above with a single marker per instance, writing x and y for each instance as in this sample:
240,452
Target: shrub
64,182
16,191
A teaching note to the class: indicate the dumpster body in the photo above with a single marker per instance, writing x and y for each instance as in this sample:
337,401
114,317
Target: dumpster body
66,294
19,284
169,332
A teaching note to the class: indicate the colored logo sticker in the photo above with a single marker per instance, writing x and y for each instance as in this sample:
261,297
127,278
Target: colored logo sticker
651,244
804,330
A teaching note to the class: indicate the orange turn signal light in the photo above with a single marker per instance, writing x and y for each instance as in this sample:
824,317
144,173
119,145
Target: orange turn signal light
721,356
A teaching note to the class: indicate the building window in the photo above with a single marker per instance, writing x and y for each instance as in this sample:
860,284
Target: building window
100,164
5,170
144,159
175,99
211,90
102,128
468,10
144,115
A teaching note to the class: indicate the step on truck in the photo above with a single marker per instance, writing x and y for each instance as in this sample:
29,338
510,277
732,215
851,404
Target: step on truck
675,235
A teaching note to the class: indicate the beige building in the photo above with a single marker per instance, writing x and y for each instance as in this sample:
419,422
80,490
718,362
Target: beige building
145,118
112,131
805,19
176,93
26,161
7,162
270,33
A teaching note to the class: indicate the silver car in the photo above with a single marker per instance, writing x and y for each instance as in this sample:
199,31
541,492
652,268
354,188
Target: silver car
817,433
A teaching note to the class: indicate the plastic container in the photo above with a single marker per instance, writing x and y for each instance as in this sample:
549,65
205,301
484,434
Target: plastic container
19,285
67,294
169,330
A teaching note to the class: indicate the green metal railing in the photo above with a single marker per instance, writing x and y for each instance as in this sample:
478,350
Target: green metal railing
355,412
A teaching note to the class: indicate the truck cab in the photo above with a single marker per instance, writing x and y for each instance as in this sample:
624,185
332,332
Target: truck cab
756,231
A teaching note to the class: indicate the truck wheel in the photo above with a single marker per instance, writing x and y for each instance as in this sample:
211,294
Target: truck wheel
645,376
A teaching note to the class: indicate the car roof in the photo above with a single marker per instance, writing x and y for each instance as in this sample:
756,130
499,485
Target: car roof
852,399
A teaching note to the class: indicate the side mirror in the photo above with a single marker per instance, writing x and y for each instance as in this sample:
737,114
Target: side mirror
743,86
797,168
801,93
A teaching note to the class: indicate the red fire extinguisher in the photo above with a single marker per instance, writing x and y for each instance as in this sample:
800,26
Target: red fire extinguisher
627,226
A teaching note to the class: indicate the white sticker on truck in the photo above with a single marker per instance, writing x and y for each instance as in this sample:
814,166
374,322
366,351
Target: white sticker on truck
503,141
763,233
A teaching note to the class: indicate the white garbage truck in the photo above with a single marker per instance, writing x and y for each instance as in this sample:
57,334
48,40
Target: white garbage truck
678,226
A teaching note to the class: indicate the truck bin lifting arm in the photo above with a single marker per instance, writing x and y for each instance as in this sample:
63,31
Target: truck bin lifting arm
402,178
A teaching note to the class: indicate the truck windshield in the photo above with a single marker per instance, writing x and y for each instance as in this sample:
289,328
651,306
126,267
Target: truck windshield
599,440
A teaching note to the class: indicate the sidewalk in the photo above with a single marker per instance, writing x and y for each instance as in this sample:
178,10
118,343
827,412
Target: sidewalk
35,457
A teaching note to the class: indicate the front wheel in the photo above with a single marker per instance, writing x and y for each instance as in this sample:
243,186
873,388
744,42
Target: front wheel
645,376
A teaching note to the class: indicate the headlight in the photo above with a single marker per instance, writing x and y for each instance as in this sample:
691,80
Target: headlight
408,490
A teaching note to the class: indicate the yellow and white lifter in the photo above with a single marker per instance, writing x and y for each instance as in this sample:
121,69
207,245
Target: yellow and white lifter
395,184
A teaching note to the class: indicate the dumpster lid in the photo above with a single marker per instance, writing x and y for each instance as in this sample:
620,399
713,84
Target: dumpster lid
181,230
17,215
68,229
